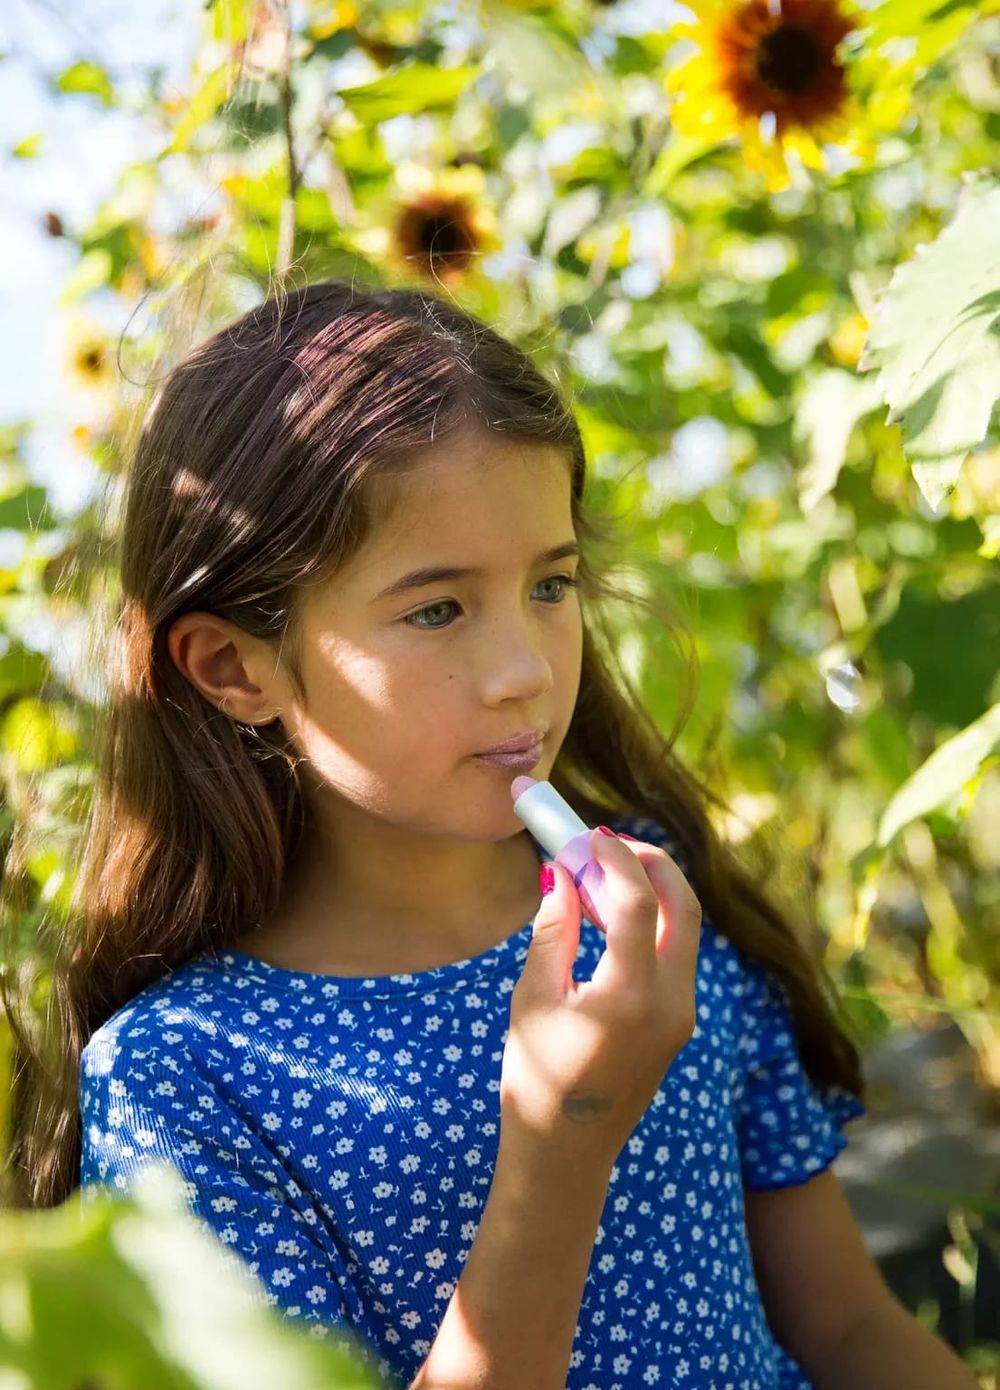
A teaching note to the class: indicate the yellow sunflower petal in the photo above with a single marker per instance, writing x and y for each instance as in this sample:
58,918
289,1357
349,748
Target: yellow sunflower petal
803,144
888,105
703,123
862,144
696,73
700,107
709,10
765,158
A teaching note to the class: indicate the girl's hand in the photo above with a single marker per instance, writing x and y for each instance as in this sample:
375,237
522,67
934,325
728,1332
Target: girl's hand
583,1061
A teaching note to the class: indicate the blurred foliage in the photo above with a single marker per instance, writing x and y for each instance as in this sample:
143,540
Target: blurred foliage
131,1291
776,307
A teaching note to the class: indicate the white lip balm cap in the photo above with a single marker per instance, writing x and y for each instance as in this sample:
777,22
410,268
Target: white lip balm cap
549,817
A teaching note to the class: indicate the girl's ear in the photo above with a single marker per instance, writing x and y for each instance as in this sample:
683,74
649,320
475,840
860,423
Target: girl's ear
267,717
212,655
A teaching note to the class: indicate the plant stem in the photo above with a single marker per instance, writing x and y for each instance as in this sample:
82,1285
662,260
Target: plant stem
286,226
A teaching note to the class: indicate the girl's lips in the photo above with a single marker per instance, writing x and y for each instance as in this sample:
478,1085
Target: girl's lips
513,762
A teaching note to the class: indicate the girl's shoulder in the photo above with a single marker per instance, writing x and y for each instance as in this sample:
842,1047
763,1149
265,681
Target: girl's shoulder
174,1010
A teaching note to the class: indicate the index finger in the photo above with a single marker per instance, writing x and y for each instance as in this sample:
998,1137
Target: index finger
629,910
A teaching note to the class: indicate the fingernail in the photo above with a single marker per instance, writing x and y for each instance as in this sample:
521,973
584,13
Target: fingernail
623,836
546,879
605,831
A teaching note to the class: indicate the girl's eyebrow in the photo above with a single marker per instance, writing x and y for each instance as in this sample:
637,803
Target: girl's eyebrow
434,574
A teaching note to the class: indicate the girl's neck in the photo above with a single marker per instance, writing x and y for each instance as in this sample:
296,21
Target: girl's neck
317,930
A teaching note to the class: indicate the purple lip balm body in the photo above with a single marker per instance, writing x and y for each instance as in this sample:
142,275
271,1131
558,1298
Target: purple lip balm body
564,837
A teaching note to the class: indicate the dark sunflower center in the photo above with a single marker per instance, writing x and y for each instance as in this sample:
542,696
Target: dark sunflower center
441,236
789,59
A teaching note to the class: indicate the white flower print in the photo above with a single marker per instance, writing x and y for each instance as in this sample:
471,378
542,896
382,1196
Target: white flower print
339,1136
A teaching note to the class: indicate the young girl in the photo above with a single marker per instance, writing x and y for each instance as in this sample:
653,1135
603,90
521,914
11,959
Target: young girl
501,1146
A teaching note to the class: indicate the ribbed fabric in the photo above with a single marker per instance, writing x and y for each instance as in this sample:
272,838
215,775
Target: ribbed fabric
339,1134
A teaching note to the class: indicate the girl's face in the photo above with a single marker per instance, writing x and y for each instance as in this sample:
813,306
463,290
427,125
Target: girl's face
406,685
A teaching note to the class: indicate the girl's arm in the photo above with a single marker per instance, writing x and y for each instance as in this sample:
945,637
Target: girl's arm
826,1300
889,1347
581,1063
512,1317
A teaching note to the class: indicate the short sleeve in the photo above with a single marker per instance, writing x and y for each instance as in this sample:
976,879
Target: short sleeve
154,1103
788,1130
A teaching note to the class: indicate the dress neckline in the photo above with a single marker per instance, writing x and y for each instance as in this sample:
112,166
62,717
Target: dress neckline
452,975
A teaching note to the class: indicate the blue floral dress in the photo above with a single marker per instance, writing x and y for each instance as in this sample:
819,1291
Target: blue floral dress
340,1133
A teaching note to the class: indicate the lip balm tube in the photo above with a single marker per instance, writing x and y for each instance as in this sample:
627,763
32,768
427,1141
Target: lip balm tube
566,838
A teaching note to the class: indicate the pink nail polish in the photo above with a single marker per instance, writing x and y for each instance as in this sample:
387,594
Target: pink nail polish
546,879
566,838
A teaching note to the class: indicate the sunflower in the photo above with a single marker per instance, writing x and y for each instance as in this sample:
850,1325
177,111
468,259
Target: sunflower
769,60
88,355
436,234
442,225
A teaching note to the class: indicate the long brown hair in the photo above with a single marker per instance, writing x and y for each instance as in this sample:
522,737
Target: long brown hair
251,478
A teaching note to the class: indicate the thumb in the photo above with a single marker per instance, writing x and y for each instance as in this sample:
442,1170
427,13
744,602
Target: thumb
555,937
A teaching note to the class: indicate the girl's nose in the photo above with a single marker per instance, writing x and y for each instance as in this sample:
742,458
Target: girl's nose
517,668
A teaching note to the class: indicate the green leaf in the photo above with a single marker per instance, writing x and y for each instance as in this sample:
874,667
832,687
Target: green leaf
525,51
21,671
599,164
936,340
949,644
570,216
990,547
788,291
680,151
248,122
744,343
32,735
942,776
939,1196
29,148
869,1019
932,25
27,510
230,20
414,88
833,403
120,1290
87,78
91,271
213,92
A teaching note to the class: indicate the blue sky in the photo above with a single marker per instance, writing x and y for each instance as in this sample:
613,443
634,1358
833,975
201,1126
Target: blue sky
84,148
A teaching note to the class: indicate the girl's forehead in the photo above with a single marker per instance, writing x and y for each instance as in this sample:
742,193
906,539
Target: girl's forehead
446,503
466,456
462,480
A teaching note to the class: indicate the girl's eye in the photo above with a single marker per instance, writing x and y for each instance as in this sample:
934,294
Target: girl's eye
566,580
